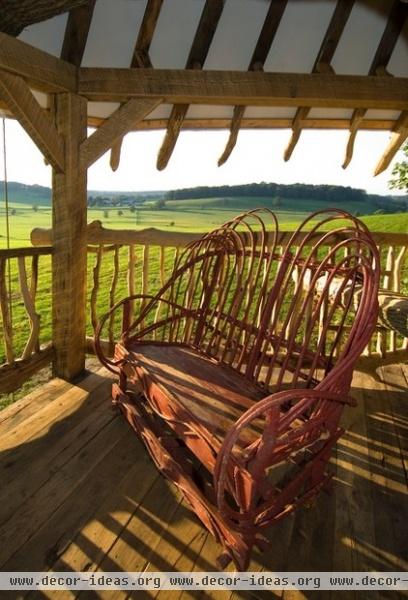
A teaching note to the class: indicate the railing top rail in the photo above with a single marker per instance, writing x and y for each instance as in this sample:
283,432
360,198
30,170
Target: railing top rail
97,234
29,251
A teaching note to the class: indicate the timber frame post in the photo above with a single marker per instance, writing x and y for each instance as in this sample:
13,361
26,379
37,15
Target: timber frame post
69,215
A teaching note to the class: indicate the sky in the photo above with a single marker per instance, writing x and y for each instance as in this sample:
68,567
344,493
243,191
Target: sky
257,157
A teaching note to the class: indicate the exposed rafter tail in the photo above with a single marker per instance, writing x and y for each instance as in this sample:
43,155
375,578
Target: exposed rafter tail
349,149
355,122
237,117
175,124
300,115
398,137
115,154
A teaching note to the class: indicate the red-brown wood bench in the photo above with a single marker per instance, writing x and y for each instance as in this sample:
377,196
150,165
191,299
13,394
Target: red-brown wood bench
235,374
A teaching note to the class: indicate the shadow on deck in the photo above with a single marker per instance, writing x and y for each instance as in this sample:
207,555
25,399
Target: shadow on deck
79,493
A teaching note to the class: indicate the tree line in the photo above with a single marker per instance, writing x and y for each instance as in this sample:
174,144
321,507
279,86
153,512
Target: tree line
327,193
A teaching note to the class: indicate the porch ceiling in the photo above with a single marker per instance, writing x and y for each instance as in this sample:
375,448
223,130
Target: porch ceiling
277,39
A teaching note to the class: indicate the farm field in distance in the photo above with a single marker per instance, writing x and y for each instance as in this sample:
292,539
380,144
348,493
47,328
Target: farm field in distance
185,215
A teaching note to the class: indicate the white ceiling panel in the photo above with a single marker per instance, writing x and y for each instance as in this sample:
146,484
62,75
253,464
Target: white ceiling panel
174,33
113,33
299,36
48,35
361,36
237,34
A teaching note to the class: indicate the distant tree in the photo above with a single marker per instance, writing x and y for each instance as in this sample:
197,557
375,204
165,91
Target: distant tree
120,213
400,173
172,223
132,208
13,211
276,202
159,204
138,217
35,208
106,214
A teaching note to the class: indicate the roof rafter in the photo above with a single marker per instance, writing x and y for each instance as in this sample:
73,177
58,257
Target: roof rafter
395,23
256,88
210,17
76,33
325,56
398,137
259,56
140,60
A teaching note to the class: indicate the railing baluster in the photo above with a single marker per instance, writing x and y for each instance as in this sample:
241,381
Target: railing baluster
34,318
112,293
5,313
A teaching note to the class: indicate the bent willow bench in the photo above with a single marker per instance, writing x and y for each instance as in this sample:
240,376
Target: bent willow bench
236,373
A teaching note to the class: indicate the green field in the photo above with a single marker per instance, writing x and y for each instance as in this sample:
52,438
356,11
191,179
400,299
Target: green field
185,215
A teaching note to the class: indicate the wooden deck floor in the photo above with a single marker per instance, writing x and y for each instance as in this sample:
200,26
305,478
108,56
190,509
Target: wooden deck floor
79,493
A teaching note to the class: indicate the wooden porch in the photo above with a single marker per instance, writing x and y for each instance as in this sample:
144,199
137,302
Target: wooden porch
80,493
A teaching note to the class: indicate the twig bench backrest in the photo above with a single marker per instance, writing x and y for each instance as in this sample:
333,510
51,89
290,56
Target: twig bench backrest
279,318
245,359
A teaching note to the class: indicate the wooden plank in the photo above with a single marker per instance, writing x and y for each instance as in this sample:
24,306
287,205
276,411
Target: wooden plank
17,530
140,58
395,24
64,541
97,234
207,26
22,409
35,120
147,525
69,261
259,56
256,123
13,375
113,129
16,252
28,467
178,86
76,33
50,73
325,56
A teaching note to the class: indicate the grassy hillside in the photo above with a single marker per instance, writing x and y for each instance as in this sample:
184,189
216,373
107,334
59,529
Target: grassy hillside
285,205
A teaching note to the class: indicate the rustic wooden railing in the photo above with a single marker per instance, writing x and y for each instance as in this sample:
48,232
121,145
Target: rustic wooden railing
22,352
127,262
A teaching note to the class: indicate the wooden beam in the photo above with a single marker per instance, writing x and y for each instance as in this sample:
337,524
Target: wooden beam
395,23
325,56
113,129
15,16
398,137
39,69
210,17
256,123
259,56
140,59
76,33
180,86
69,258
12,376
36,121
